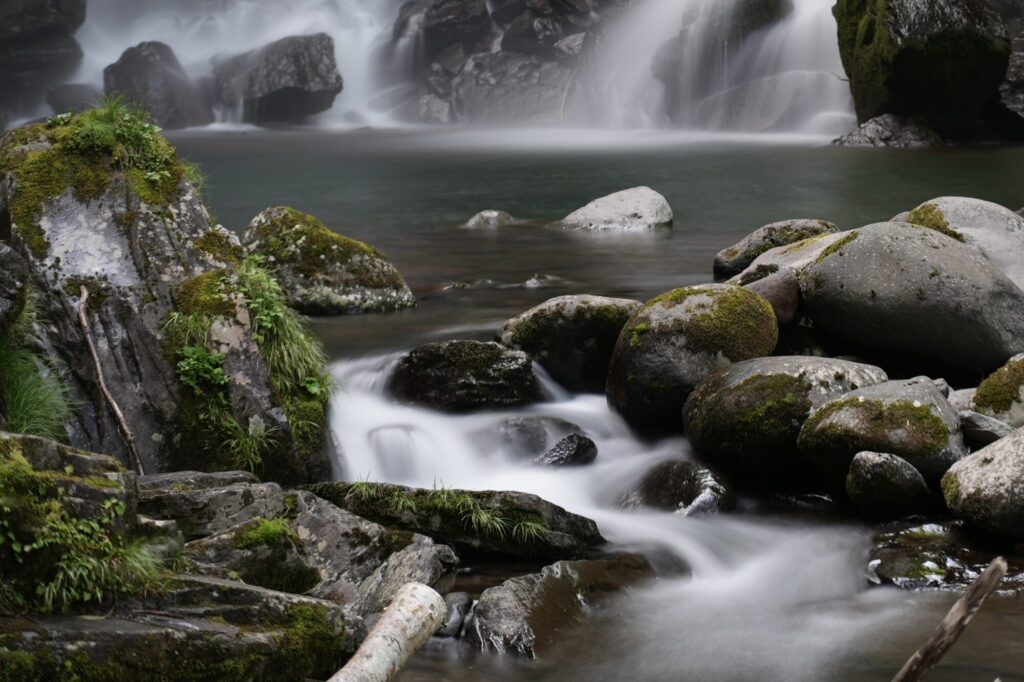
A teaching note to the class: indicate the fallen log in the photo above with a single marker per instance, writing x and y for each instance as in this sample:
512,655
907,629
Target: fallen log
953,625
416,613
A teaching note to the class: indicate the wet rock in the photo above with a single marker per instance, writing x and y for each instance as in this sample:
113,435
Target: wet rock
573,450
1001,394
888,130
150,76
984,488
194,480
322,272
679,339
735,259
73,97
432,109
682,486
509,87
981,430
948,302
14,281
462,376
283,82
459,605
1012,89
636,209
508,524
963,399
885,487
526,615
782,290
448,22
792,257
909,419
529,437
490,219
572,337
746,418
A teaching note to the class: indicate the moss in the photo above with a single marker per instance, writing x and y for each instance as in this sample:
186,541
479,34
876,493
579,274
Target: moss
758,273
310,646
262,531
836,246
639,330
804,243
931,216
99,289
205,294
1001,389
16,666
219,245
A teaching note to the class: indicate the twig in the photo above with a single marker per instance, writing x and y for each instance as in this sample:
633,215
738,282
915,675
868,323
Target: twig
118,415
953,625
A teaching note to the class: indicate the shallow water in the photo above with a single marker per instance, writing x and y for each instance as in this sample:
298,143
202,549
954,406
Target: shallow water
770,598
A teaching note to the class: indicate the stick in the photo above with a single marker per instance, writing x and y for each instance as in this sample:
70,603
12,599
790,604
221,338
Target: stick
953,625
416,613
118,415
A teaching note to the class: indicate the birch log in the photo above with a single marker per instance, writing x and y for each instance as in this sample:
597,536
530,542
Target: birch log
416,613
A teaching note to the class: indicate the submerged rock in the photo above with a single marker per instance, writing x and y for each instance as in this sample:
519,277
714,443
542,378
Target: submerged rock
736,258
676,341
888,130
572,337
636,209
688,488
528,437
984,488
573,450
885,487
323,272
490,219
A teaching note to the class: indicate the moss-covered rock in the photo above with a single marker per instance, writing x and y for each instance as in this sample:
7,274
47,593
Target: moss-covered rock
886,487
736,258
676,341
984,488
1001,394
323,272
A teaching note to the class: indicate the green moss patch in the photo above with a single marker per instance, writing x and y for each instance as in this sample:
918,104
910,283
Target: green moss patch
836,246
264,532
1001,389
931,216
220,246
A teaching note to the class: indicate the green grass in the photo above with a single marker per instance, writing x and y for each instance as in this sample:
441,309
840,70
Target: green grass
249,446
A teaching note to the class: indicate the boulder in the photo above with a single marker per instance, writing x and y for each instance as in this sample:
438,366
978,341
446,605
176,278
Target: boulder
1012,90
981,430
631,210
459,605
447,22
526,615
679,339
907,418
527,437
889,130
885,487
947,302
746,419
792,257
942,61
571,337
507,524
73,97
462,376
681,486
14,281
735,259
531,34
963,399
511,88
782,290
1001,394
286,81
490,219
984,488
432,109
322,272
150,76
573,450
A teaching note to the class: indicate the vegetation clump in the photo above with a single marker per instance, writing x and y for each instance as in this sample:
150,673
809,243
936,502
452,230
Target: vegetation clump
836,246
931,216
999,392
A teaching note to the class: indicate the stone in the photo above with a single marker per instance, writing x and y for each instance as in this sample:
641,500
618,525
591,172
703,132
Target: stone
73,97
1001,394
782,290
889,130
14,280
981,430
490,219
321,271
150,76
631,210
573,450
962,399
1012,90
738,257
447,22
204,511
432,109
511,88
684,487
885,487
526,437
459,605
571,337
984,489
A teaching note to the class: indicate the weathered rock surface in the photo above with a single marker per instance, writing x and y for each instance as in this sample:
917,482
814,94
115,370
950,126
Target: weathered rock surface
72,97
984,488
981,430
736,258
573,450
688,488
526,615
746,418
462,376
572,337
509,87
885,487
889,130
150,76
636,209
676,341
323,272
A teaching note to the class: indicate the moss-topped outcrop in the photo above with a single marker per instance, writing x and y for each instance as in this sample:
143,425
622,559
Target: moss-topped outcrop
736,258
1001,394
984,488
323,272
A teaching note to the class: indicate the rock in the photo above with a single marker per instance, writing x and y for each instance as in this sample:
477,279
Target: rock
782,290
284,82
943,61
571,337
462,376
1001,394
14,282
532,35
1012,89
490,219
459,605
889,130
792,257
194,480
676,341
981,430
948,302
447,22
526,615
684,487
735,259
527,437
573,450
432,109
963,399
984,488
636,209
746,419
884,487
73,97
508,87
508,524
909,419
323,272
997,232
150,76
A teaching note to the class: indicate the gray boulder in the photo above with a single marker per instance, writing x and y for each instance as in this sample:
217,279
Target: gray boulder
632,210
885,487
736,258
746,419
1012,90
572,337
981,430
573,450
782,290
509,87
490,219
73,97
889,130
448,22
684,487
908,418
150,76
792,257
14,280
283,82
984,488
527,437
679,339
1001,394
962,399
459,605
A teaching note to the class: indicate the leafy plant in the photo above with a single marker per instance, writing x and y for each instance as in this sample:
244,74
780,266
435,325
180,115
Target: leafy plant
248,446
126,134
187,330
203,372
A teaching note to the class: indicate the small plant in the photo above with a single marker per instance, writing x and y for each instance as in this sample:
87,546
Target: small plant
187,330
248,446
530,531
203,372
486,522
126,134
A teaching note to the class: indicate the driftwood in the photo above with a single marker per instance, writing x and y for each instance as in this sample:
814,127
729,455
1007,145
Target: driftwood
953,625
416,613
122,424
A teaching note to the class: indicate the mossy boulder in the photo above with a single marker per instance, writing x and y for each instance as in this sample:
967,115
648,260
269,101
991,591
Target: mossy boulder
571,337
1001,394
885,487
463,376
684,487
792,257
909,419
984,489
736,258
676,341
13,288
323,272
746,419
943,60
